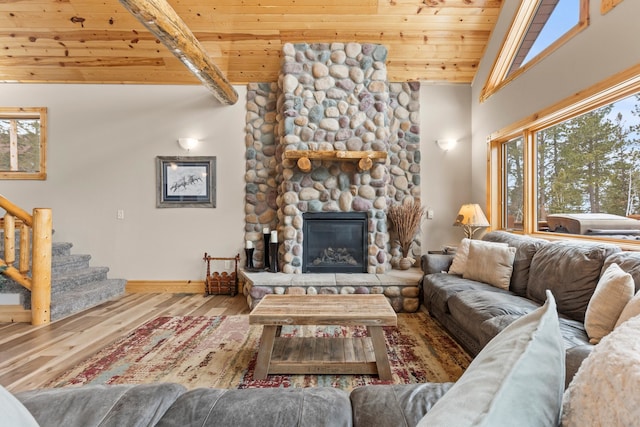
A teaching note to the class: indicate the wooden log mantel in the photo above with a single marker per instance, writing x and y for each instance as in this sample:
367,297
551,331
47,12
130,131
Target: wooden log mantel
364,158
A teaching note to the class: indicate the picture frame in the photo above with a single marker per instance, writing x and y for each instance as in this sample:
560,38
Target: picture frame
185,182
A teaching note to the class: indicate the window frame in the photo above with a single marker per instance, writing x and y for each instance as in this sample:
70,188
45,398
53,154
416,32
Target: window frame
39,113
499,75
619,86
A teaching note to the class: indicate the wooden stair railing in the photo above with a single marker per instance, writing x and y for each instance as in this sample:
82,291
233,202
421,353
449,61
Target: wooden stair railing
39,283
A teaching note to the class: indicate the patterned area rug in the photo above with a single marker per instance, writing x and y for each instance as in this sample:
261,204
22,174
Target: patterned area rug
221,352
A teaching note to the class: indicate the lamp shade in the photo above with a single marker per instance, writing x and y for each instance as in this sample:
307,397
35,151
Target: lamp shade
471,218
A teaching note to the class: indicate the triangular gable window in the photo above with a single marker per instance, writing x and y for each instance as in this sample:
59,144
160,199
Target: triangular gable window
539,28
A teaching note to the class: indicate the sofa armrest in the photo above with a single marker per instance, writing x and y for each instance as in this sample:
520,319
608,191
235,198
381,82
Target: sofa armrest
575,356
394,405
436,263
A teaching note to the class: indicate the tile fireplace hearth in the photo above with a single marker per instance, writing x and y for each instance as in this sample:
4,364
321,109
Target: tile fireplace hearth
401,287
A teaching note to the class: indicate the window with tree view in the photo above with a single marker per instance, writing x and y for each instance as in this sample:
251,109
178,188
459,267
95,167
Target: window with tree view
573,168
22,143
590,164
514,183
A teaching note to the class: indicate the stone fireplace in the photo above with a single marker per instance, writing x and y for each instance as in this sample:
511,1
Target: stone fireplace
330,98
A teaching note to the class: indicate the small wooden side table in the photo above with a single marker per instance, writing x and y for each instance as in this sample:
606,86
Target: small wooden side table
312,355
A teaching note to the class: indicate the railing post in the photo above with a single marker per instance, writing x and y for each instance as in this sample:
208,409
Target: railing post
41,267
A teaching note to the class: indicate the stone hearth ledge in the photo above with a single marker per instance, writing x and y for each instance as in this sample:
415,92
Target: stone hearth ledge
401,287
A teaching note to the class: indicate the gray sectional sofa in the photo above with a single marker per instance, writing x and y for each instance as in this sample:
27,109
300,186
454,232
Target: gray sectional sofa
474,312
529,341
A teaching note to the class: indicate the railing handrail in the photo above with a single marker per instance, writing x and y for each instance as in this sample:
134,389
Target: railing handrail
16,211
39,253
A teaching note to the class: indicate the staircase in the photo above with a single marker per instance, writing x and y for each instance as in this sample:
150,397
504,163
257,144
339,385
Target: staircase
75,285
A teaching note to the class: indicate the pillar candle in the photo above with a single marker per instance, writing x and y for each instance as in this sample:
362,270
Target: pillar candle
274,236
249,244
265,230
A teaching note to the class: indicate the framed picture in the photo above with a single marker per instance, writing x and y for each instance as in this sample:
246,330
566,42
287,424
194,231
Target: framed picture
186,182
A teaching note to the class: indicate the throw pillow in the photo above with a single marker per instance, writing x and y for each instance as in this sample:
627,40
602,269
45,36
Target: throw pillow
516,380
13,412
460,258
490,263
613,292
604,390
632,309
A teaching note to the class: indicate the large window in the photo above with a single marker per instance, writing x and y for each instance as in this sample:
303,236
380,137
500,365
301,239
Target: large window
573,168
538,28
23,143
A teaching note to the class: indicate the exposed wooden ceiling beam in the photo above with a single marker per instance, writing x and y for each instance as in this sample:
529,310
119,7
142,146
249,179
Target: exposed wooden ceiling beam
163,22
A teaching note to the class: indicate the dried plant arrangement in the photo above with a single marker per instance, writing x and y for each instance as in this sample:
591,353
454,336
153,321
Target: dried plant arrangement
405,219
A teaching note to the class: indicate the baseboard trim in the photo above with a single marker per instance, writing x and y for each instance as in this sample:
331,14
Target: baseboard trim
165,286
14,314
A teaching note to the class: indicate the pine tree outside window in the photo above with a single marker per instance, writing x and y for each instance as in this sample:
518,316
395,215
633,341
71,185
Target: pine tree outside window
579,157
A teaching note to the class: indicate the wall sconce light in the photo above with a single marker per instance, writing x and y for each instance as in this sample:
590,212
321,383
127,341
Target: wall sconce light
187,143
446,144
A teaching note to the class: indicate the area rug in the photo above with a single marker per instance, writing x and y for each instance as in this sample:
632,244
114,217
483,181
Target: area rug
199,351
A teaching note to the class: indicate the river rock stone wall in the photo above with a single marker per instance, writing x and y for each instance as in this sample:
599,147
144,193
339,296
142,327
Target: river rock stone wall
329,97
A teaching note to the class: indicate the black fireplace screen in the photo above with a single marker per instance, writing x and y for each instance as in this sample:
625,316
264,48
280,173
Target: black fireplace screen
334,242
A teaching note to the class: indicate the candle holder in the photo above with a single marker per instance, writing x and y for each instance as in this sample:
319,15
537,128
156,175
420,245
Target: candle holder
249,255
266,236
273,248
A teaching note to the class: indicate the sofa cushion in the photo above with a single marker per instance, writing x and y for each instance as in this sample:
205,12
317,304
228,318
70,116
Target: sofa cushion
613,292
100,405
394,405
493,326
605,389
516,380
460,258
13,411
490,263
313,406
526,248
629,262
570,271
573,332
472,308
439,287
632,309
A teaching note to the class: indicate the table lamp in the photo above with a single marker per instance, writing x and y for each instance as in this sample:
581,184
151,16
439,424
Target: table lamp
471,219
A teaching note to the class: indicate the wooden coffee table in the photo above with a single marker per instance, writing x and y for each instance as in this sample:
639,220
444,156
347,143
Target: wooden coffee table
313,355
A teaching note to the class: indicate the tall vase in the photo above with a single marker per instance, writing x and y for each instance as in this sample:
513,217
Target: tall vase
273,249
249,255
266,236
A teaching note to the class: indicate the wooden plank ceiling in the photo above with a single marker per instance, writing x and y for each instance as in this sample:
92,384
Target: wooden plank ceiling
99,41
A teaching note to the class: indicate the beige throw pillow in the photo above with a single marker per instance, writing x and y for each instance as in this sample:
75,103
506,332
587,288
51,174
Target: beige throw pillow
490,263
613,292
632,309
460,258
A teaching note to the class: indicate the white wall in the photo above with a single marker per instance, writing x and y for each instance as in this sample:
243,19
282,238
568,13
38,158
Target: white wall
102,144
445,113
607,46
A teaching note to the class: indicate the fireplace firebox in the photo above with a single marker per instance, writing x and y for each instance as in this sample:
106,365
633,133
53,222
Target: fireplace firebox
334,242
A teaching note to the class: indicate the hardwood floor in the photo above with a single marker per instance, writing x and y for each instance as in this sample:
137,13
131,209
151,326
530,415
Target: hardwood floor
30,356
